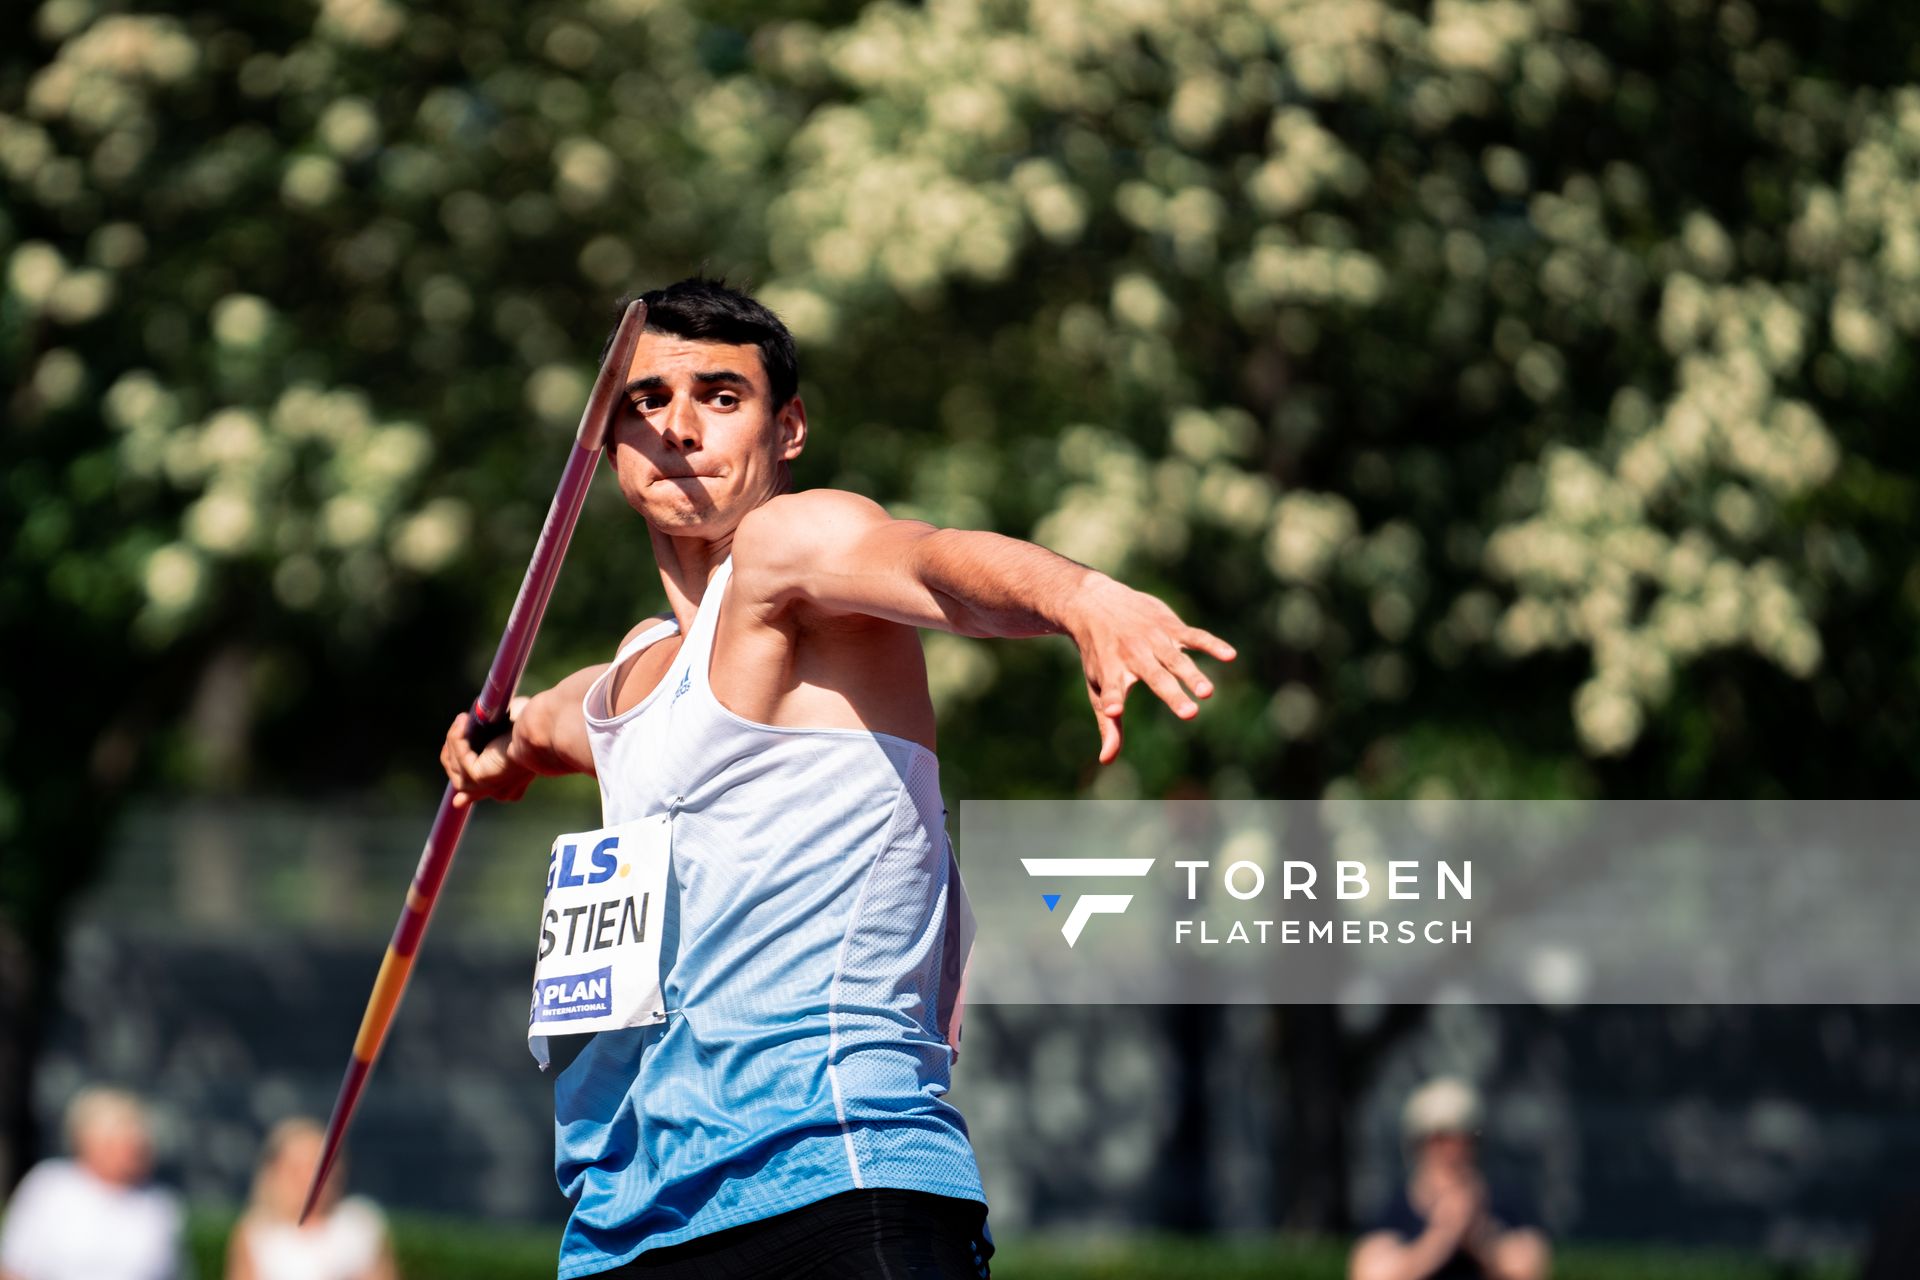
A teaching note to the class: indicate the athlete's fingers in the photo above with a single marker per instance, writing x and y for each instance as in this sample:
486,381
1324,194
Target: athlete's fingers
1183,667
1105,685
495,760
454,732
457,736
474,774
452,759
1208,643
480,781
1168,689
1168,653
471,763
1109,730
1108,696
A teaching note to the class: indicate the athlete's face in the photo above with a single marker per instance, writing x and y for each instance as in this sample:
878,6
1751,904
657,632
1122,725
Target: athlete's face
696,441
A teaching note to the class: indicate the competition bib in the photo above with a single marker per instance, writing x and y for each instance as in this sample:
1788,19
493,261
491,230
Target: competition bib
598,963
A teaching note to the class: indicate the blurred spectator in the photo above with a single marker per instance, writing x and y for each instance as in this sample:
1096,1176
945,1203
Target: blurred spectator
93,1217
345,1239
1447,1226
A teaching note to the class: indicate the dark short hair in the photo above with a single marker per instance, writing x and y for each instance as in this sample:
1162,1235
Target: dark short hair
709,311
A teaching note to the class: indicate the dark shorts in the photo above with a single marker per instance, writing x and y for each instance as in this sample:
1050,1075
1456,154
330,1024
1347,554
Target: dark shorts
880,1232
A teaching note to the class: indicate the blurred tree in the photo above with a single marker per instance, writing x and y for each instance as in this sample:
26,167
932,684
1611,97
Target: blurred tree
1517,384
296,298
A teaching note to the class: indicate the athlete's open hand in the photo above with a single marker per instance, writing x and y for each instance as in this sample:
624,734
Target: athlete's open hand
1128,637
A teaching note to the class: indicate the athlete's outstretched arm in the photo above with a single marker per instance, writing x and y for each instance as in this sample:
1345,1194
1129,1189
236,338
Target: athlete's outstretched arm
548,737
841,553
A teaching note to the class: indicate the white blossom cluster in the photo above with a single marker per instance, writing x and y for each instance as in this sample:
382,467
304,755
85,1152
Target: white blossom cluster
1865,232
1601,565
237,467
345,525
960,154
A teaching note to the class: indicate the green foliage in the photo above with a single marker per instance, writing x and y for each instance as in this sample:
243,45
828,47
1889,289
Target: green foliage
1421,347
433,1249
1173,1258
424,1248
1435,356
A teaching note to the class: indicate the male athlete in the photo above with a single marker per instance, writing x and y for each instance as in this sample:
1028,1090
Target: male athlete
786,1116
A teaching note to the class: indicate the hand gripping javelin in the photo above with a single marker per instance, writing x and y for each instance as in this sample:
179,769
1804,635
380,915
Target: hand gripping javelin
489,720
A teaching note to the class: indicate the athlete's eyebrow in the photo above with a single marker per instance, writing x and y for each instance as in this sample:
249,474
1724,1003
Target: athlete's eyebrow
707,377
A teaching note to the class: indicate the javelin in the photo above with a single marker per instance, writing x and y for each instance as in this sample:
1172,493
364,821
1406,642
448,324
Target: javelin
488,721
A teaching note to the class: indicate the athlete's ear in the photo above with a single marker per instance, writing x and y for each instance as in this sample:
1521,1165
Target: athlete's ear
791,423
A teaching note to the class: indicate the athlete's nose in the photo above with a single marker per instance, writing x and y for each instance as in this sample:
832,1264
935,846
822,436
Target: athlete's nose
680,426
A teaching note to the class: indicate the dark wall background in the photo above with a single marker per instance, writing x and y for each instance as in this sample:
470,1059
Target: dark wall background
1783,1129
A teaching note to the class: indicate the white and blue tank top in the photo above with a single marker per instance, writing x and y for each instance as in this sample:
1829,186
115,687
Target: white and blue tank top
811,961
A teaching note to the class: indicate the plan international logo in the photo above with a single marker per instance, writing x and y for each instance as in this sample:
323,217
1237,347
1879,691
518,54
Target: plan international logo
1087,905
574,995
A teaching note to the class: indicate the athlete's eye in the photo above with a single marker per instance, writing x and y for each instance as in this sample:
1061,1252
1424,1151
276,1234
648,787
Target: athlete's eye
646,404
725,399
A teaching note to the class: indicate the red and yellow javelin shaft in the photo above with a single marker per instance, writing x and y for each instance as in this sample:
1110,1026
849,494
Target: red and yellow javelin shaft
489,718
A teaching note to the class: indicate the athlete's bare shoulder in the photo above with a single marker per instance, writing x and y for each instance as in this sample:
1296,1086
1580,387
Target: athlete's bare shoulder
784,542
794,526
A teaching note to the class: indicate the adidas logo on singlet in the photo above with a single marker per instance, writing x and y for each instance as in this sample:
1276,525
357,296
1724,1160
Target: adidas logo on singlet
686,680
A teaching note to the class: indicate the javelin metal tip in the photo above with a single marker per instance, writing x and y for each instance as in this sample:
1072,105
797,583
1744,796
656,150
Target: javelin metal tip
597,417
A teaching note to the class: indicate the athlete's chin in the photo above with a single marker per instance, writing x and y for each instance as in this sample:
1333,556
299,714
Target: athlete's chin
680,512
672,518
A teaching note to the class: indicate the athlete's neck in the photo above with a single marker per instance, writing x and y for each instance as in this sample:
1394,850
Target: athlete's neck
688,563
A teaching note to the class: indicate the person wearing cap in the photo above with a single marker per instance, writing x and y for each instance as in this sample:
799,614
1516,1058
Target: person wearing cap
1446,1226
